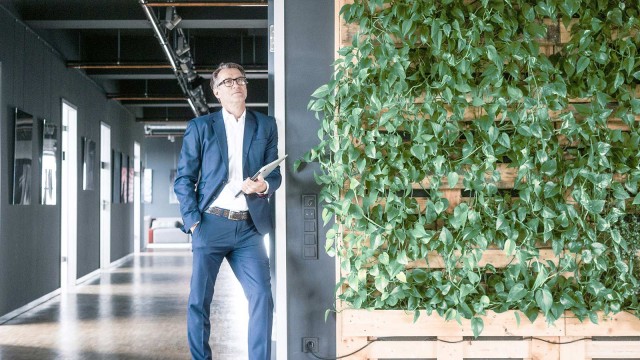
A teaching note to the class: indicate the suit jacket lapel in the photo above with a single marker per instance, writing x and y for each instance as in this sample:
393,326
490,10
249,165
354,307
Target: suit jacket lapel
220,132
250,126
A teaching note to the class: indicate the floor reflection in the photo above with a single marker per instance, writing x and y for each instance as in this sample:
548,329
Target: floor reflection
135,312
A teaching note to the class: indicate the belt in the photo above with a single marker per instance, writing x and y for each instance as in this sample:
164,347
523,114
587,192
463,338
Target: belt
229,214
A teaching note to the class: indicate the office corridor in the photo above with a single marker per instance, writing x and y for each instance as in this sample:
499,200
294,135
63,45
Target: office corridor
136,311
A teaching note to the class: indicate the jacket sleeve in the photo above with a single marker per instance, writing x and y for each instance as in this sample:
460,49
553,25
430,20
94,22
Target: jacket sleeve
187,177
271,153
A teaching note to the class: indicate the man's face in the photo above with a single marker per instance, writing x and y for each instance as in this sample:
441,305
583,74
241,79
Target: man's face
230,95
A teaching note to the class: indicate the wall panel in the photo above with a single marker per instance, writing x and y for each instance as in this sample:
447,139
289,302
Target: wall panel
36,79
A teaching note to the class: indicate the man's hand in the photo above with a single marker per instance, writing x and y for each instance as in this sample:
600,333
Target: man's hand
257,186
193,227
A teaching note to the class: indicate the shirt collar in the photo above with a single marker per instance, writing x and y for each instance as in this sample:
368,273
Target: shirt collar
227,116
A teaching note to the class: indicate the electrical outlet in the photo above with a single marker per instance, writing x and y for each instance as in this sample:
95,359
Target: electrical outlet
310,344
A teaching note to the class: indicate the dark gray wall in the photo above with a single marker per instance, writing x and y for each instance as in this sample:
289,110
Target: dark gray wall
161,156
308,57
35,79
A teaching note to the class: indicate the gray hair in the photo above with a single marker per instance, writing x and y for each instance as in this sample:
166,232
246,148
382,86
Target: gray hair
227,65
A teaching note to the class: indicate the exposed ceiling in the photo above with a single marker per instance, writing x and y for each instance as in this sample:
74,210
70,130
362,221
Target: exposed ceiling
156,57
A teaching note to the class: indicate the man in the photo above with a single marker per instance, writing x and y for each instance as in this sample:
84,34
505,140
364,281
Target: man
219,150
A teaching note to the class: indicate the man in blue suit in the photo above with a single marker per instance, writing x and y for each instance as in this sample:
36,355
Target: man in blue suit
220,151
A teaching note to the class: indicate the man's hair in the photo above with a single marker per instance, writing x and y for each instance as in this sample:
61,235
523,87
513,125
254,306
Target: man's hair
227,65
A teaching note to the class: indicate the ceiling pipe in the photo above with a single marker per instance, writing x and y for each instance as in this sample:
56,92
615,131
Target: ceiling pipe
209,4
144,98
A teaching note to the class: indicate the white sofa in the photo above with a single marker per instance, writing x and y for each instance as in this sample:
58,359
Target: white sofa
166,230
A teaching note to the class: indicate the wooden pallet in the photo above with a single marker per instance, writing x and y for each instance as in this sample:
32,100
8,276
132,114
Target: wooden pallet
392,334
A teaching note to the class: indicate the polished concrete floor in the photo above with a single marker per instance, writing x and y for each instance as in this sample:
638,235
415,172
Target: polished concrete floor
136,311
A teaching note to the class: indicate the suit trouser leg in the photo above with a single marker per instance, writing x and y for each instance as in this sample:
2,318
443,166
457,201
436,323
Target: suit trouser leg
250,264
218,236
203,278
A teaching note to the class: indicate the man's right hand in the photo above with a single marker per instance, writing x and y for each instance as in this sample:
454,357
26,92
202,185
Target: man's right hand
194,227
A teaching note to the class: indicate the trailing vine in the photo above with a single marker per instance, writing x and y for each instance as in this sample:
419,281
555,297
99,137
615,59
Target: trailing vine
439,95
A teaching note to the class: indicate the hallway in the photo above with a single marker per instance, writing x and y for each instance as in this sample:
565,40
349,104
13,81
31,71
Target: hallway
136,311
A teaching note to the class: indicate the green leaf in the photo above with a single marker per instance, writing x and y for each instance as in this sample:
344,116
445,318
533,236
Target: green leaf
477,325
452,179
509,247
514,93
544,300
594,206
381,283
583,62
322,91
384,258
516,293
445,236
401,277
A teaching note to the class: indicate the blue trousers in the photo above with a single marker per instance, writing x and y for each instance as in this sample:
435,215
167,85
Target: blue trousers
240,243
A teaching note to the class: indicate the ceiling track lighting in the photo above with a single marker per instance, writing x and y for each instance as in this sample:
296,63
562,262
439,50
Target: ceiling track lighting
172,19
185,72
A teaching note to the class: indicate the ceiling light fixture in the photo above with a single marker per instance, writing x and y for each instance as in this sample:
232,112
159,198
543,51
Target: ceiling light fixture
186,74
172,18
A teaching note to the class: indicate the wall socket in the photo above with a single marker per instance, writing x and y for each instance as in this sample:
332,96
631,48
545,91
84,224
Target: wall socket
310,344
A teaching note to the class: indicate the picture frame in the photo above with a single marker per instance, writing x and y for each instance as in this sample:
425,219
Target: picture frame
22,157
124,177
48,162
115,176
89,160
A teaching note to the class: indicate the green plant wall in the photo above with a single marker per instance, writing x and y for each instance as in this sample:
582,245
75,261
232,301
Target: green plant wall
449,91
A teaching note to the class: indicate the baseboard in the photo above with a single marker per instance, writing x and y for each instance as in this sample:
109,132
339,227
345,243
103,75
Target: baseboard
90,276
121,261
96,273
23,309
51,295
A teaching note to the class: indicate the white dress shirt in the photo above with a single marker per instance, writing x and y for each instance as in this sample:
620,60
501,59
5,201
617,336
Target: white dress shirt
235,136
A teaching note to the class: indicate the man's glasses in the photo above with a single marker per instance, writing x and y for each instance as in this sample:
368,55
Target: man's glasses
241,81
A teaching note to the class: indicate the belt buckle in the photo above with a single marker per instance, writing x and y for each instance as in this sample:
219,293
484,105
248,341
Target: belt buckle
230,215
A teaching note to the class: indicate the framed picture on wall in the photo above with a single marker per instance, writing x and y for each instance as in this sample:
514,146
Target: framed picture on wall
124,177
49,161
131,177
88,163
115,173
22,157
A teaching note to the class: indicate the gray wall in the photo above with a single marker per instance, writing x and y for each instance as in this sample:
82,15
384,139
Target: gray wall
308,56
161,156
35,79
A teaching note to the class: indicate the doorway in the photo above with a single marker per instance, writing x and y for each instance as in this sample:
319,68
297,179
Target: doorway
105,196
136,197
69,197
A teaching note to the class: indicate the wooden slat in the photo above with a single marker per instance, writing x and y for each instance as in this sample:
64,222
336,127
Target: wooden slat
515,349
613,349
541,350
448,349
620,324
348,345
507,179
574,350
401,349
497,258
399,323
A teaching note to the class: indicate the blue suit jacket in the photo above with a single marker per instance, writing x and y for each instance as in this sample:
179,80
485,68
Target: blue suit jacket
203,168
